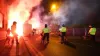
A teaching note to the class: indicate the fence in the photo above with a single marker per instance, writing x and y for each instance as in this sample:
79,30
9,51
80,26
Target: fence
80,31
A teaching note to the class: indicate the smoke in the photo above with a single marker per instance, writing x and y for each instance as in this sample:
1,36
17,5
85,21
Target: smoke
61,14
71,12
22,11
75,12
80,10
36,18
58,17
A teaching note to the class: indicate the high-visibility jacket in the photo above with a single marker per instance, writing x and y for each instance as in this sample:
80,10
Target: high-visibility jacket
46,30
63,29
92,31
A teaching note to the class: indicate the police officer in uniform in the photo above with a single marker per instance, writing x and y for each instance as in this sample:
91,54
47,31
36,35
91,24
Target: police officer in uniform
13,31
63,33
92,32
46,33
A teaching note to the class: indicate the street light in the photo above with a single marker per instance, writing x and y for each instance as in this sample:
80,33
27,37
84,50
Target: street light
54,7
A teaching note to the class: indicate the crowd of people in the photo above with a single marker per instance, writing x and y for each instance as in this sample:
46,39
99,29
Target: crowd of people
46,32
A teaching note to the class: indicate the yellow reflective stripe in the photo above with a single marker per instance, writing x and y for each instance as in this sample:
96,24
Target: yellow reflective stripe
46,30
92,31
63,29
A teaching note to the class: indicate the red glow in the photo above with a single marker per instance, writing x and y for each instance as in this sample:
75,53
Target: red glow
19,11
11,34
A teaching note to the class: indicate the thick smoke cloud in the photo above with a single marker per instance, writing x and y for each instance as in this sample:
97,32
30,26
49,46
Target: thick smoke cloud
71,12
77,12
25,11
81,10
61,14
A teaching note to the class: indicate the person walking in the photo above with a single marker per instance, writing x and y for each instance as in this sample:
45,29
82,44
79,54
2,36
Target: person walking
92,33
63,33
45,33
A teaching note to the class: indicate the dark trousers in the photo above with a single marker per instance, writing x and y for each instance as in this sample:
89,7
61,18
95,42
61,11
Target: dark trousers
62,36
16,38
46,35
8,39
92,37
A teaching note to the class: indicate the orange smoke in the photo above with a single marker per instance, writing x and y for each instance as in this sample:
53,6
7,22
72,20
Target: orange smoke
19,11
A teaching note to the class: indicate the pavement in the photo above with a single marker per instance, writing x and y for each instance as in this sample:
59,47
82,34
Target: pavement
32,46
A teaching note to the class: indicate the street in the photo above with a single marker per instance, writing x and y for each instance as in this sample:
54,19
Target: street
32,46
30,20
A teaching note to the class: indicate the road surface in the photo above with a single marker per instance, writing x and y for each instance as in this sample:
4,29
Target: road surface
32,46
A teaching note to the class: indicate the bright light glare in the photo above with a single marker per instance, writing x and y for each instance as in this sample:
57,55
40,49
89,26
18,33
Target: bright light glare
53,7
11,34
19,11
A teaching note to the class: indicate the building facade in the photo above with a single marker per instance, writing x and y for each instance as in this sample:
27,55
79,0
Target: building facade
3,15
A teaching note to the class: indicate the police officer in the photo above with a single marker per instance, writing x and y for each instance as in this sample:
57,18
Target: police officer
63,33
13,31
46,33
92,32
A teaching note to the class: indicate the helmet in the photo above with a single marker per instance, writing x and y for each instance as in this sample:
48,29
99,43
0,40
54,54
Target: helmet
45,25
63,25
